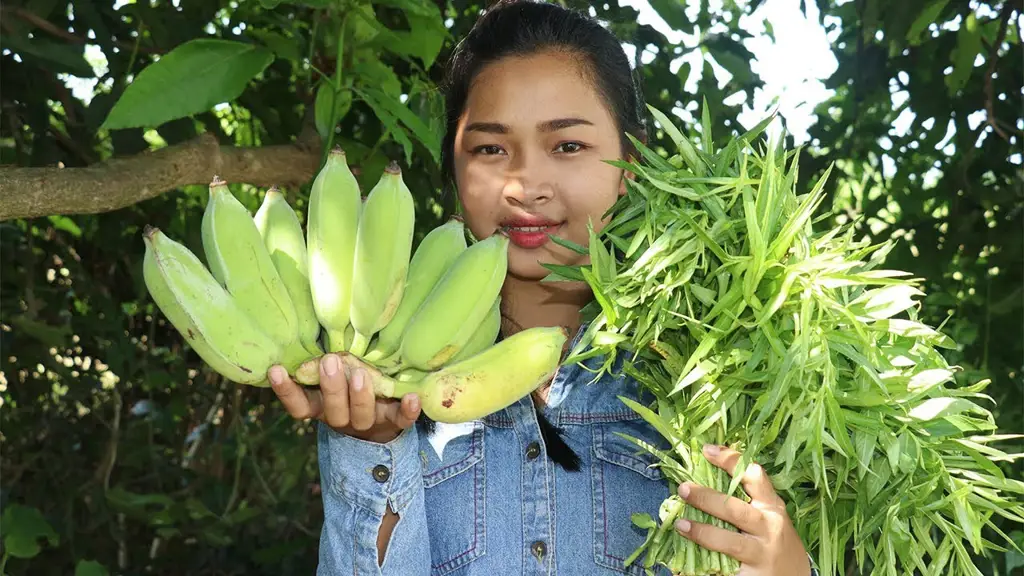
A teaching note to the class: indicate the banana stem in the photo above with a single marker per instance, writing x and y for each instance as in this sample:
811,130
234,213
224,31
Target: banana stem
359,344
295,355
336,341
383,385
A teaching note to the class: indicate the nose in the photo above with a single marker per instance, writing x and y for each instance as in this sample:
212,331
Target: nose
527,182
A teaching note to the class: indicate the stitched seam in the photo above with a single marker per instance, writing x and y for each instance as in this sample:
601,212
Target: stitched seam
601,417
442,474
457,561
547,507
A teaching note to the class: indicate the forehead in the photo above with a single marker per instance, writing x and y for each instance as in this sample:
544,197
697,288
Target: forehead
531,89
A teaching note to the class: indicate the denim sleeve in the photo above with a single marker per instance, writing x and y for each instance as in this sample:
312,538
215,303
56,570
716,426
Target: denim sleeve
359,479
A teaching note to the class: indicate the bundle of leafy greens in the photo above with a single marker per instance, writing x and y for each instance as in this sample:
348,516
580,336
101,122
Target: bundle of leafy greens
791,343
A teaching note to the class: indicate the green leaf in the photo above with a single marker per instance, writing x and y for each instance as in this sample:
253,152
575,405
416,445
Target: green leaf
54,56
673,12
577,248
380,101
66,224
190,79
562,273
968,44
941,407
410,6
325,113
424,41
927,16
90,568
390,121
49,334
885,302
23,527
283,46
376,74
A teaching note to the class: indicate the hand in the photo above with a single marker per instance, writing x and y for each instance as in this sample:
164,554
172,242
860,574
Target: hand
346,402
767,544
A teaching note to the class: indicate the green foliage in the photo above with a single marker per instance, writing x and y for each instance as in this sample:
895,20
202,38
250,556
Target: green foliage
140,459
188,80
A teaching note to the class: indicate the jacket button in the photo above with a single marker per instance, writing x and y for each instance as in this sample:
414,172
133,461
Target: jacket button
539,549
381,473
532,451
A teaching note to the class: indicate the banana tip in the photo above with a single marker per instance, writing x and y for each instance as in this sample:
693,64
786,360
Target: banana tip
149,232
217,181
393,168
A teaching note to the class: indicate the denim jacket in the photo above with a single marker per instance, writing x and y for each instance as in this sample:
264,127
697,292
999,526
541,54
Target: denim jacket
482,498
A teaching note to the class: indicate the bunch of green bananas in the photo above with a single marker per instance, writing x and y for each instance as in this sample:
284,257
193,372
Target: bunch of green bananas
423,321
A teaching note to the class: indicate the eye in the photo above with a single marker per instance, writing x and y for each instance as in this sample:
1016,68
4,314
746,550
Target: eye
570,147
487,150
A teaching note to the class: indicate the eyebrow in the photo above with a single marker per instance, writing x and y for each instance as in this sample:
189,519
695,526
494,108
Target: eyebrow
548,126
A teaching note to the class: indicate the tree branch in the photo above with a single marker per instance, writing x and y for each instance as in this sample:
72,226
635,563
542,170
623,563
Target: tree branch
120,182
52,29
993,57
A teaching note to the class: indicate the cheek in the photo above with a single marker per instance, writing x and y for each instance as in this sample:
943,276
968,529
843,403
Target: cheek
479,209
590,199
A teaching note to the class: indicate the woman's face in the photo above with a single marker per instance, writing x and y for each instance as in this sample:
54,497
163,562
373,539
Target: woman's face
529,158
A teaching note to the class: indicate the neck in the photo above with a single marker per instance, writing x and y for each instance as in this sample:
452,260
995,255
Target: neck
531,303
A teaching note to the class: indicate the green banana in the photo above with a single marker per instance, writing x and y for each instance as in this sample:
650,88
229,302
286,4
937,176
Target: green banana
483,384
494,378
432,258
383,245
456,306
283,237
484,336
239,260
332,224
205,314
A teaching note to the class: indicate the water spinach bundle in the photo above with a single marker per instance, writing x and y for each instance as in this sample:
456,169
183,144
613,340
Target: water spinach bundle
757,325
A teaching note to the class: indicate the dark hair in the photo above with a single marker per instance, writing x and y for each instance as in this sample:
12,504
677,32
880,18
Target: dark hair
523,27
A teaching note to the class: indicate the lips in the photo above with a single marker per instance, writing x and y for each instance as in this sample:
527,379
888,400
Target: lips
527,232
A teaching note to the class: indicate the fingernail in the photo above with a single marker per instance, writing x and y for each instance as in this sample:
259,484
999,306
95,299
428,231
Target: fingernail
711,449
683,525
276,375
331,364
414,403
357,381
684,490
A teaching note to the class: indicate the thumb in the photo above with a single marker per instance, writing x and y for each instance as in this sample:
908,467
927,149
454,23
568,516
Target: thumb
405,413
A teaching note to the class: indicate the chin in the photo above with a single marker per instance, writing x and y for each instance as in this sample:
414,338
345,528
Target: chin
527,264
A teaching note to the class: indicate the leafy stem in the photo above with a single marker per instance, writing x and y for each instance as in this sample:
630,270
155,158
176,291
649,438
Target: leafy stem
338,65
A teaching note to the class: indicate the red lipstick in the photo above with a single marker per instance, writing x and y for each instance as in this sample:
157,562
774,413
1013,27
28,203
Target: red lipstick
529,231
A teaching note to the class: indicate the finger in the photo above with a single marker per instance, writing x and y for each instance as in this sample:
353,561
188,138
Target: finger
731,509
755,482
722,456
742,547
334,386
407,411
362,412
299,402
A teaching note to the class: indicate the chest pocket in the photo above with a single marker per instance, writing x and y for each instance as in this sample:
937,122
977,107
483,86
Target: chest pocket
624,482
454,489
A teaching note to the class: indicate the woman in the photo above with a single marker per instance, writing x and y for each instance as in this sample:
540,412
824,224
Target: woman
538,98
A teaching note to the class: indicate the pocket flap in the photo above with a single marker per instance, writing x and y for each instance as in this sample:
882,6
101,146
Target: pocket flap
460,453
613,448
